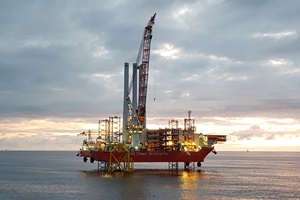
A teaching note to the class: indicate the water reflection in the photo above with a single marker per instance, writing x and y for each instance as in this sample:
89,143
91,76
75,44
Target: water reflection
148,184
189,184
231,175
188,180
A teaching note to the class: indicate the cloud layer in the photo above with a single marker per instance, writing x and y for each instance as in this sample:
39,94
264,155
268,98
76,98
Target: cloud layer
62,61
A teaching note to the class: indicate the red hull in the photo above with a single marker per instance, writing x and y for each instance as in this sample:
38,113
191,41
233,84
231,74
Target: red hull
161,156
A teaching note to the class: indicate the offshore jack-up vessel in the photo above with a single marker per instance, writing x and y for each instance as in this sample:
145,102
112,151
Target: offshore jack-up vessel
117,148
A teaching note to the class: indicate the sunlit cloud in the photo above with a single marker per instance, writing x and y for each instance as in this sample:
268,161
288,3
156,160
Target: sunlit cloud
230,77
185,94
168,51
246,132
180,15
217,58
239,129
106,76
182,11
263,143
168,91
35,126
278,62
277,35
283,66
42,134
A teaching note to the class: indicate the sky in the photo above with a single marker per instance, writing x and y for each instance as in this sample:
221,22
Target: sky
234,64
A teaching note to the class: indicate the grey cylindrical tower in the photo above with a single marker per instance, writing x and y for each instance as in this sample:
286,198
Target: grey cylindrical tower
134,86
125,104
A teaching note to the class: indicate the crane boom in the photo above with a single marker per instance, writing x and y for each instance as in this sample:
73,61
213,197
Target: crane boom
144,70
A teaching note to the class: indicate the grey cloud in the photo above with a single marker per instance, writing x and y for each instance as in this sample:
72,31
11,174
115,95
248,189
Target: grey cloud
48,56
253,131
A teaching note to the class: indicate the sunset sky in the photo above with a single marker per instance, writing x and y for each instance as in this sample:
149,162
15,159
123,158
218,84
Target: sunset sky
234,64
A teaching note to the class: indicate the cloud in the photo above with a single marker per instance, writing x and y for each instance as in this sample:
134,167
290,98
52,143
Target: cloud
168,51
253,131
43,134
278,35
64,60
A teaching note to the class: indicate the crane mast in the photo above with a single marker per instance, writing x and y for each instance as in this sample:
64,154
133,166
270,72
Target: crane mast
144,70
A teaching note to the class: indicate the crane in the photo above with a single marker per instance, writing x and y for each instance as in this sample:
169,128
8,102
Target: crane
134,112
144,54
144,69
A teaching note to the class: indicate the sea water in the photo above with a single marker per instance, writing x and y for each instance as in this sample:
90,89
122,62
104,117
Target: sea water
227,175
